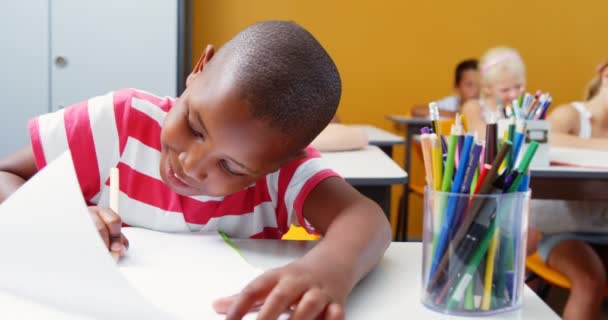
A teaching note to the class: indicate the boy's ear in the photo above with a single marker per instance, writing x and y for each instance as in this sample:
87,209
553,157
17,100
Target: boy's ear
202,62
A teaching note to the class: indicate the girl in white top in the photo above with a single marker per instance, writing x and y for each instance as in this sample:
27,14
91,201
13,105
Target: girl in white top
503,79
584,125
581,251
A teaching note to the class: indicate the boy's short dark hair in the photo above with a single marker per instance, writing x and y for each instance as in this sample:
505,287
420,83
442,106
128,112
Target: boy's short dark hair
286,76
469,64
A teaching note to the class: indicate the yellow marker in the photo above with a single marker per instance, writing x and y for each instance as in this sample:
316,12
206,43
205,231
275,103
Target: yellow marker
489,274
463,120
437,162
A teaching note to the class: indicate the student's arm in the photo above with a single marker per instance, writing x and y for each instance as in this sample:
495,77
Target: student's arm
20,166
356,234
15,169
565,129
532,240
472,112
339,137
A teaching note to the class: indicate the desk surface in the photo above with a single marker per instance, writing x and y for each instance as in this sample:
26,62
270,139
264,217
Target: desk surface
369,166
587,164
391,290
380,137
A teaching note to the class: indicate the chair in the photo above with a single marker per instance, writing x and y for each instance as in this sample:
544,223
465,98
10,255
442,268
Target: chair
540,271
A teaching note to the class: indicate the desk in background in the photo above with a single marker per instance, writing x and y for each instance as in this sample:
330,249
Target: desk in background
370,171
391,290
569,183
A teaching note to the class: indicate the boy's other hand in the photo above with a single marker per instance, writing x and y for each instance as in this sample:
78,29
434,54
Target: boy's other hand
108,224
308,291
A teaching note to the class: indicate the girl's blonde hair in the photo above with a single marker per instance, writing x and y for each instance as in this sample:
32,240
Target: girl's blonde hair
594,85
498,60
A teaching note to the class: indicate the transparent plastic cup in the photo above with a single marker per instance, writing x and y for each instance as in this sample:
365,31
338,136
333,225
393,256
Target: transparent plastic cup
474,252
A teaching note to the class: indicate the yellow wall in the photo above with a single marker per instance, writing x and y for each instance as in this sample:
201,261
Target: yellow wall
393,54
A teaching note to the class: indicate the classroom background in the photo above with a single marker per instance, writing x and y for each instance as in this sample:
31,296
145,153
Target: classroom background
395,54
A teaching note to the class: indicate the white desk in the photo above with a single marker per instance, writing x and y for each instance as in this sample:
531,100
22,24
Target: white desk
369,166
391,290
572,182
371,171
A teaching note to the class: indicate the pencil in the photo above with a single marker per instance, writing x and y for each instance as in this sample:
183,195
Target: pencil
114,190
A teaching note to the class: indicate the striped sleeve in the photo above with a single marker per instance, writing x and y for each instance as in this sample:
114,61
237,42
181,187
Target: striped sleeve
88,130
295,182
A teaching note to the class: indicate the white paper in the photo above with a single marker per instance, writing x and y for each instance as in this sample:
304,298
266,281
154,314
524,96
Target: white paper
52,254
184,273
579,157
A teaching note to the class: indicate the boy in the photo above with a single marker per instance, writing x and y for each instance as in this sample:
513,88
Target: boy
233,156
466,87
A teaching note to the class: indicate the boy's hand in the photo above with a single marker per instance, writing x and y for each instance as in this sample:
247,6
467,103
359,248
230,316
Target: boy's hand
311,292
108,224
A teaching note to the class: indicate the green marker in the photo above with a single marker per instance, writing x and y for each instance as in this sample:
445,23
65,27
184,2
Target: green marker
446,183
511,155
229,242
449,164
524,165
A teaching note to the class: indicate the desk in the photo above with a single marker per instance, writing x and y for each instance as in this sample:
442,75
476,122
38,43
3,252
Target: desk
383,139
413,126
569,183
370,171
391,290
572,182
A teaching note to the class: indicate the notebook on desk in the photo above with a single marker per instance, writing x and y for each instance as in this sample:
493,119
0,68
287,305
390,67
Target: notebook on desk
578,158
55,264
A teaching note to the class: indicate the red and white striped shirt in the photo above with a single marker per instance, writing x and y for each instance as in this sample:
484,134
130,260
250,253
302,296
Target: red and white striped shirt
122,129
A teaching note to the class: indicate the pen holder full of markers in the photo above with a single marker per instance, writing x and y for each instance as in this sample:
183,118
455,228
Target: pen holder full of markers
476,205
474,260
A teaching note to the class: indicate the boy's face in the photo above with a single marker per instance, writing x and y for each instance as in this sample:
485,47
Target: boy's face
506,87
469,85
211,145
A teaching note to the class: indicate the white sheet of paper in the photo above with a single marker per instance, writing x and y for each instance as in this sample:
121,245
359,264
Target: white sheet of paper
53,255
184,273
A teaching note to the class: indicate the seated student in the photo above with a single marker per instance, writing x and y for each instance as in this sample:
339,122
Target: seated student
503,78
230,154
584,124
466,87
579,250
